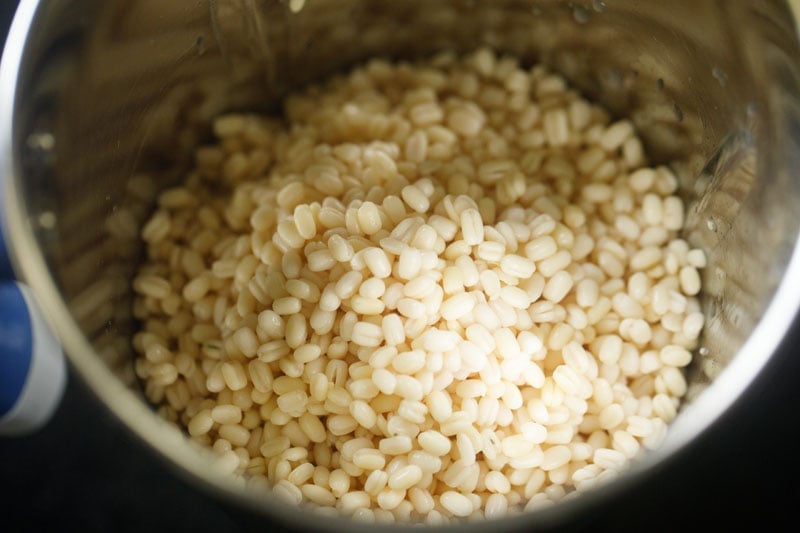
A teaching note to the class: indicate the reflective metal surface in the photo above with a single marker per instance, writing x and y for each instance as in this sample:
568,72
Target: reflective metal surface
103,104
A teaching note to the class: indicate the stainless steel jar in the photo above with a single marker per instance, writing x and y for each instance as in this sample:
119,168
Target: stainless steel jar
99,96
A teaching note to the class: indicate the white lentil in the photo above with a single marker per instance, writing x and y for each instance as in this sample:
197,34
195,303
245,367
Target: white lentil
696,258
558,286
341,250
288,305
609,459
395,445
367,335
411,308
378,262
616,134
555,457
690,280
515,297
555,263
675,356
434,443
392,327
369,459
415,199
692,325
405,478
673,213
153,286
288,492
456,503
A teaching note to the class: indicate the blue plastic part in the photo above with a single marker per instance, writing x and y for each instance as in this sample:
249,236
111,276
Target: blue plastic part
16,342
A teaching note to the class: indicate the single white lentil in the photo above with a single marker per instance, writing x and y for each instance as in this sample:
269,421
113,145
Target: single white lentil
434,443
456,503
405,478
369,459
676,356
609,459
555,457
395,445
558,286
378,262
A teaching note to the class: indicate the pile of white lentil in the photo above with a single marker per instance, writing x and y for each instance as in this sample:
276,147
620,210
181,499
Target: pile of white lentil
433,290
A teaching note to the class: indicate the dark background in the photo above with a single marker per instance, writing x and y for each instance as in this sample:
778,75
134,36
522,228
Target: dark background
85,472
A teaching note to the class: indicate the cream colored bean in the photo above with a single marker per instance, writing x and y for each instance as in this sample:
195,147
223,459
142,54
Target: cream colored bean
438,290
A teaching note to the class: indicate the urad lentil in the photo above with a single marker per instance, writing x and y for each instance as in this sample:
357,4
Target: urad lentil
456,290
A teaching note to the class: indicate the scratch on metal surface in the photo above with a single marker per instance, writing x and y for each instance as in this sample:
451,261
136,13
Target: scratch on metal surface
217,29
162,90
